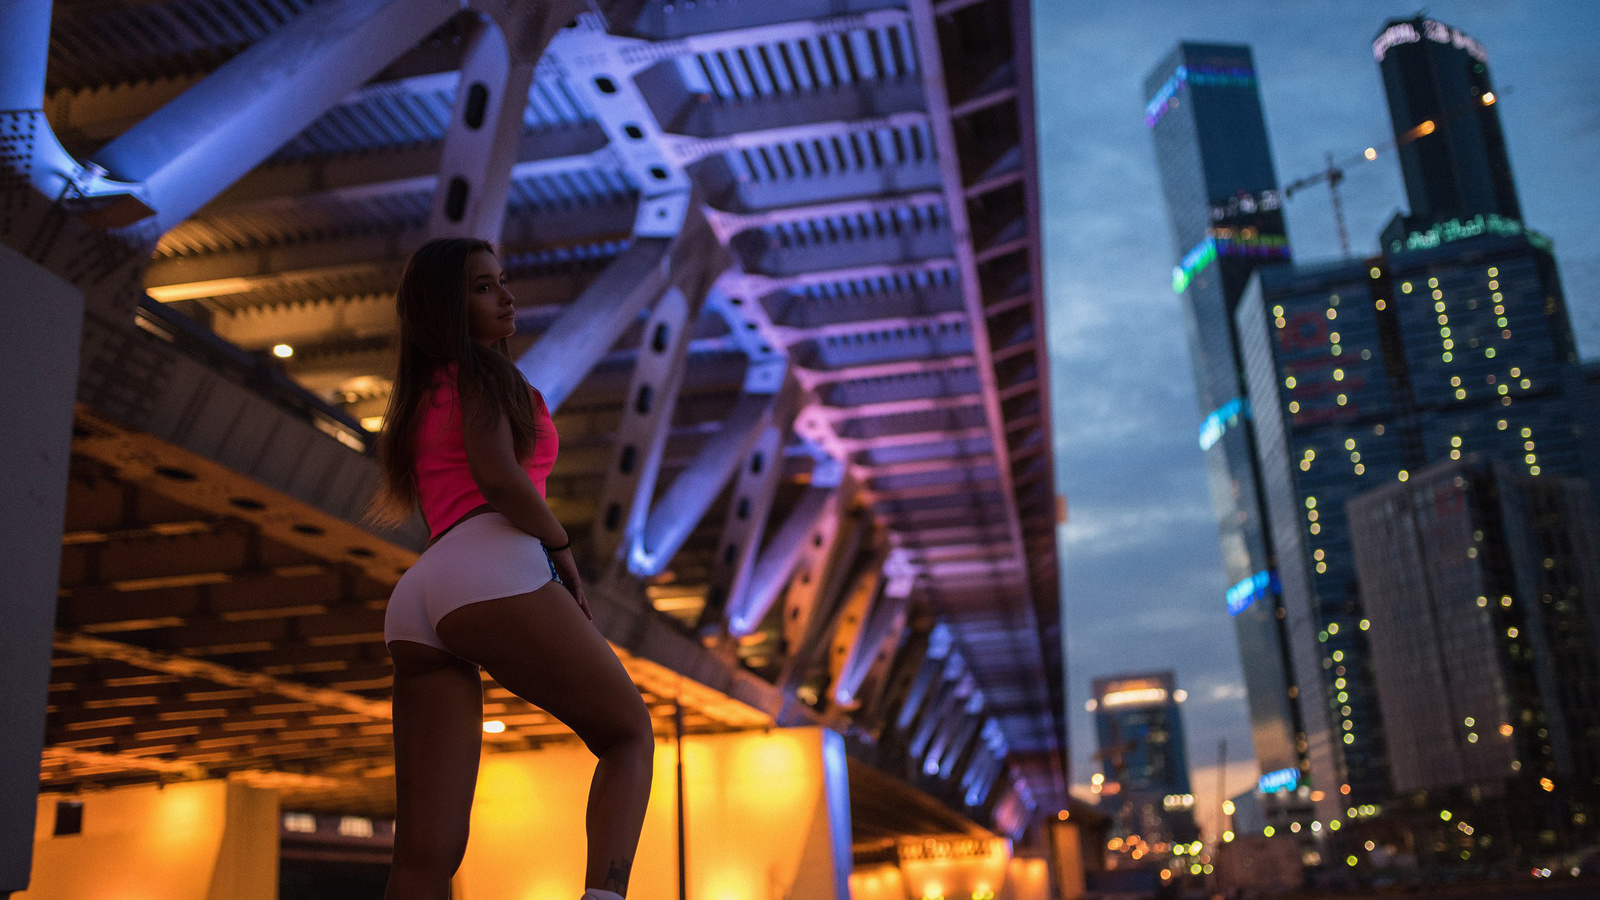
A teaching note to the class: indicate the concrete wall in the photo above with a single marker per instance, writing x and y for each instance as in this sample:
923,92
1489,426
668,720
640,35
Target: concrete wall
197,840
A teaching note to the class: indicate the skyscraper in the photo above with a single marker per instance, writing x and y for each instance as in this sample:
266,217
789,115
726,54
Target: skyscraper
1442,105
1454,343
1204,112
1144,776
1483,587
1363,372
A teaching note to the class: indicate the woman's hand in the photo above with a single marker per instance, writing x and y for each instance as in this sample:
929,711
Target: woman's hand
567,568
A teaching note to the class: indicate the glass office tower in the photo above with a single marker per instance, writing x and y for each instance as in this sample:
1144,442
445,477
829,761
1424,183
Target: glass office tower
1204,113
1446,124
1483,587
1363,373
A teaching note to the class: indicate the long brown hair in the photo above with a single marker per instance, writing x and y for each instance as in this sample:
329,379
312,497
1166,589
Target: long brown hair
431,304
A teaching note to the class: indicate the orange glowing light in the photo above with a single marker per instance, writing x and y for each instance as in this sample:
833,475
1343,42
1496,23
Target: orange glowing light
1423,130
1488,98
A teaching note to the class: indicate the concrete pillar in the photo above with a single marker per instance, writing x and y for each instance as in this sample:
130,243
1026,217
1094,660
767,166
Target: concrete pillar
41,324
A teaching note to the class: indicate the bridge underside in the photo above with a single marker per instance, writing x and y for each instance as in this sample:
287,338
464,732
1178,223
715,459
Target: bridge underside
777,270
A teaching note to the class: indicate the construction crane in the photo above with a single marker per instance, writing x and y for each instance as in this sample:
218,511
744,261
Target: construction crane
1334,173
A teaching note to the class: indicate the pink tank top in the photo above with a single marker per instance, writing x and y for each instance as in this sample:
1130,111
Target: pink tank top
445,489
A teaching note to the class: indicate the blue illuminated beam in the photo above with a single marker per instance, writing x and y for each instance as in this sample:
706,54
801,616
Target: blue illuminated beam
1221,419
1243,595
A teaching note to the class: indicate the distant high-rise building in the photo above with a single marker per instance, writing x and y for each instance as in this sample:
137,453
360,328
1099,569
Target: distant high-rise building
1482,587
1144,773
1204,112
1363,372
1446,121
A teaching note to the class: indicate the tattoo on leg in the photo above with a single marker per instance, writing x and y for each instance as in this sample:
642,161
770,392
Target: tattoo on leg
617,875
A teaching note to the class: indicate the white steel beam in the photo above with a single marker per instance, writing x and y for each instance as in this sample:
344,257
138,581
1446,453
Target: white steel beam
932,670
742,530
817,565
469,199
692,492
778,558
728,224
879,621
212,134
811,378
641,436
788,336
847,565
688,150
26,26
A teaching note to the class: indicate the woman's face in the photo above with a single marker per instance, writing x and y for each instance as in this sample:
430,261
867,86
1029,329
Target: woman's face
490,313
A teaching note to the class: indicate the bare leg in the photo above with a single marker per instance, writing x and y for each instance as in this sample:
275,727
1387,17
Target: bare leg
542,648
438,733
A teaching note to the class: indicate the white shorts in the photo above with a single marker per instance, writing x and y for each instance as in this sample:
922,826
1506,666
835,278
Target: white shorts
482,558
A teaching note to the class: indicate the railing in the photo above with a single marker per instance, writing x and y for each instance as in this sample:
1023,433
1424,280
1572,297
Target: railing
255,372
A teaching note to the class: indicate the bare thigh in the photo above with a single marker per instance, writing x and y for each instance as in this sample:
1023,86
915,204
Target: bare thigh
541,647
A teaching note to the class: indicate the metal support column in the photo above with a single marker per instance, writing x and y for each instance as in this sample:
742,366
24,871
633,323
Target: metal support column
778,558
694,490
481,144
569,349
742,531
642,434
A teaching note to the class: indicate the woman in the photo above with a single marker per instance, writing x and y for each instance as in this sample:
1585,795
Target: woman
468,441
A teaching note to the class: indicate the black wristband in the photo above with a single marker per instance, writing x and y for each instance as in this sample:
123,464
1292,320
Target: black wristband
549,549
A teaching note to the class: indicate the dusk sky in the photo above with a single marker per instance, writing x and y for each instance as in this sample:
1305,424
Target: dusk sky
1142,576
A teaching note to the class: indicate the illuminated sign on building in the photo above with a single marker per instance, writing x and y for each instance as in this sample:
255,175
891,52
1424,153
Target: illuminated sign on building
1438,32
1280,781
1244,594
1220,420
1459,230
958,848
1210,76
1138,695
1246,204
1226,242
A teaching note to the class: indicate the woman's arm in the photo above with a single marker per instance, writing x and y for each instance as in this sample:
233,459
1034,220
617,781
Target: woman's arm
503,482
492,459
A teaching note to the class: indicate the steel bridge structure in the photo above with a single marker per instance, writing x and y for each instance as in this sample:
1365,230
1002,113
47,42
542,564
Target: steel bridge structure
778,276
